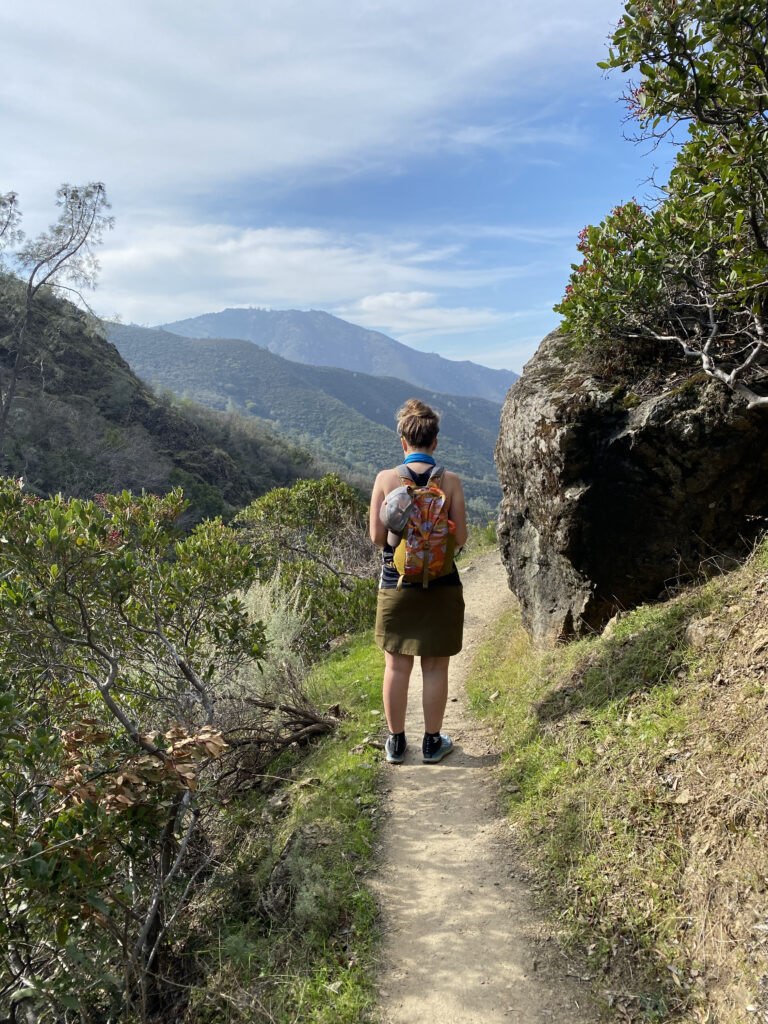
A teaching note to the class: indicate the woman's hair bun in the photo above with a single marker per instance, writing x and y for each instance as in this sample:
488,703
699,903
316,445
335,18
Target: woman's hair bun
417,423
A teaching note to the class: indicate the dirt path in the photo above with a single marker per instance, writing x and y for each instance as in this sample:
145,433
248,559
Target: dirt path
463,941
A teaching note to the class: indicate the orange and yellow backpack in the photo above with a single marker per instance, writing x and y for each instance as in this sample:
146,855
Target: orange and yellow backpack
428,543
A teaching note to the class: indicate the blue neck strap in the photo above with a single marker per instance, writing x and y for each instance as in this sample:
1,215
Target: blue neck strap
419,457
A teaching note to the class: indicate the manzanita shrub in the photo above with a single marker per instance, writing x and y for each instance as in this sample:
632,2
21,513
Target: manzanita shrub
115,636
691,269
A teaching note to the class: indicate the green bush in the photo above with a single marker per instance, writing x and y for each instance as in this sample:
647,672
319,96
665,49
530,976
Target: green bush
113,633
313,539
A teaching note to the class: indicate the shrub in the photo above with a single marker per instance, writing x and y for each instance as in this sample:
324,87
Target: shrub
313,539
114,632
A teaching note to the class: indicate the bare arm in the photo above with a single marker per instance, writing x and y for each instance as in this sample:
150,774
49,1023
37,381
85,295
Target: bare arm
458,509
377,529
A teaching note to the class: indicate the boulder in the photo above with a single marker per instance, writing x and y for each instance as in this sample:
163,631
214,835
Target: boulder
701,634
610,497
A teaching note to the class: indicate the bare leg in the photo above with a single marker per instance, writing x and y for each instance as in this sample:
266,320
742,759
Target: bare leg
397,674
435,694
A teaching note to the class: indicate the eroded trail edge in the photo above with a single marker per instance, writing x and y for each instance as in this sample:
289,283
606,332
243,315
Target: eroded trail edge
462,936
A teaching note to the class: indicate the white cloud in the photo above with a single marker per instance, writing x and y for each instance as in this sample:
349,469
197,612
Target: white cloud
394,301
163,273
159,97
538,235
411,316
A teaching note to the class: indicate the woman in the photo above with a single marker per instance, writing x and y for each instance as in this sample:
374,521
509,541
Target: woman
412,620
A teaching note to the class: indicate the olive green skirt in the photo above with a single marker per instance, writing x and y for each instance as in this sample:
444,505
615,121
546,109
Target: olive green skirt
428,623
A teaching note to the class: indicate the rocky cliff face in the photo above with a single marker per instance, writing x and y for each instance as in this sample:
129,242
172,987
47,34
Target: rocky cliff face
610,496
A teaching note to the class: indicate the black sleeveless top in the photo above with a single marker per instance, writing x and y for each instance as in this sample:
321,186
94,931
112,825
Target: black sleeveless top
389,574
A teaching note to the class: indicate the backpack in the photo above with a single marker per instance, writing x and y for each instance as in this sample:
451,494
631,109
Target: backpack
427,545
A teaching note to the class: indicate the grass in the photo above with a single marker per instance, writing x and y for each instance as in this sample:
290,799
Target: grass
296,929
607,743
479,540
634,768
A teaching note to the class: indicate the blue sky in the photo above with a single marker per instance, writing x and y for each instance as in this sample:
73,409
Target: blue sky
421,167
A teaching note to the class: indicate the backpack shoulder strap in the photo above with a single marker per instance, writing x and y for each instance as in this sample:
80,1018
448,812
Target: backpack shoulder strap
435,475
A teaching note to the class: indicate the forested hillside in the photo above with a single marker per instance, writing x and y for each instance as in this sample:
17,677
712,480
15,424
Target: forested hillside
320,339
345,416
83,423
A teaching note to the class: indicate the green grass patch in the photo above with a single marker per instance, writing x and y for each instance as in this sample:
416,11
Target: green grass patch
296,930
481,538
760,555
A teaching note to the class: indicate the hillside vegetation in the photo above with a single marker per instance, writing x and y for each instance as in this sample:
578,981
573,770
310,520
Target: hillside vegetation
176,842
320,339
635,771
635,763
343,416
83,423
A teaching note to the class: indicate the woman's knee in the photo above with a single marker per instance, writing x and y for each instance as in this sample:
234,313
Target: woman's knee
399,664
430,665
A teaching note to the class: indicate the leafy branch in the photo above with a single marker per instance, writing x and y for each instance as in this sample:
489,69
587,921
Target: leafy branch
691,269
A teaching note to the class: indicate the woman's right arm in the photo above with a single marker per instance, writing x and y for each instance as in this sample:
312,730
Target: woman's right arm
377,529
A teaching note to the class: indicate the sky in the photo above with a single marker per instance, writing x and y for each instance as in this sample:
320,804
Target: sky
419,167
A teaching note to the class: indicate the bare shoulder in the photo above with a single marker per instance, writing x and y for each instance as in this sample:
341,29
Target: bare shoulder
452,481
386,480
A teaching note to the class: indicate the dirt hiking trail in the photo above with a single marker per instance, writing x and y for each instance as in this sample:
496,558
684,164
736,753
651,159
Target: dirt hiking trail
463,941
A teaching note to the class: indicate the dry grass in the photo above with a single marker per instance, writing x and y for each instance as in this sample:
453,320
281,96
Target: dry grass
637,776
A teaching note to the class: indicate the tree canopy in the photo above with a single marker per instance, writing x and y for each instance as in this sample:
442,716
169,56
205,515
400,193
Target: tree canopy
691,268
61,257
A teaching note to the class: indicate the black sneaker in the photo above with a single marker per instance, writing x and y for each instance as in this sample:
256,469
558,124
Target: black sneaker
389,749
446,746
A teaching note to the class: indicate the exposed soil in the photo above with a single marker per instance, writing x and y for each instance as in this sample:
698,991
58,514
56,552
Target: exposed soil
463,938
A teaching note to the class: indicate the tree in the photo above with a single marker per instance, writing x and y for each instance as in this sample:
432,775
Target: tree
61,257
131,710
691,269
9,220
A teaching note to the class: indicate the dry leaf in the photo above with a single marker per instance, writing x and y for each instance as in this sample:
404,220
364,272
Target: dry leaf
684,797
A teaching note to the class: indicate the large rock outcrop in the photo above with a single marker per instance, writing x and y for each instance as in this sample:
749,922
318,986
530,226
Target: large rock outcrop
610,496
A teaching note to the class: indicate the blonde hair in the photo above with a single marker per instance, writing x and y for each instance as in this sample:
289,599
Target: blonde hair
417,423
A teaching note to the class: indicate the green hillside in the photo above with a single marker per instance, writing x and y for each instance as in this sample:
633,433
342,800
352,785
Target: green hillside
320,339
344,416
83,423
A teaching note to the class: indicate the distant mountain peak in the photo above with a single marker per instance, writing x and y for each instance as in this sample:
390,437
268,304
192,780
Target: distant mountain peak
319,338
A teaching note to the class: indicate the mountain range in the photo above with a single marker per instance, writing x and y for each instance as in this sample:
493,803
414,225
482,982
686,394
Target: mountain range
344,416
319,339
